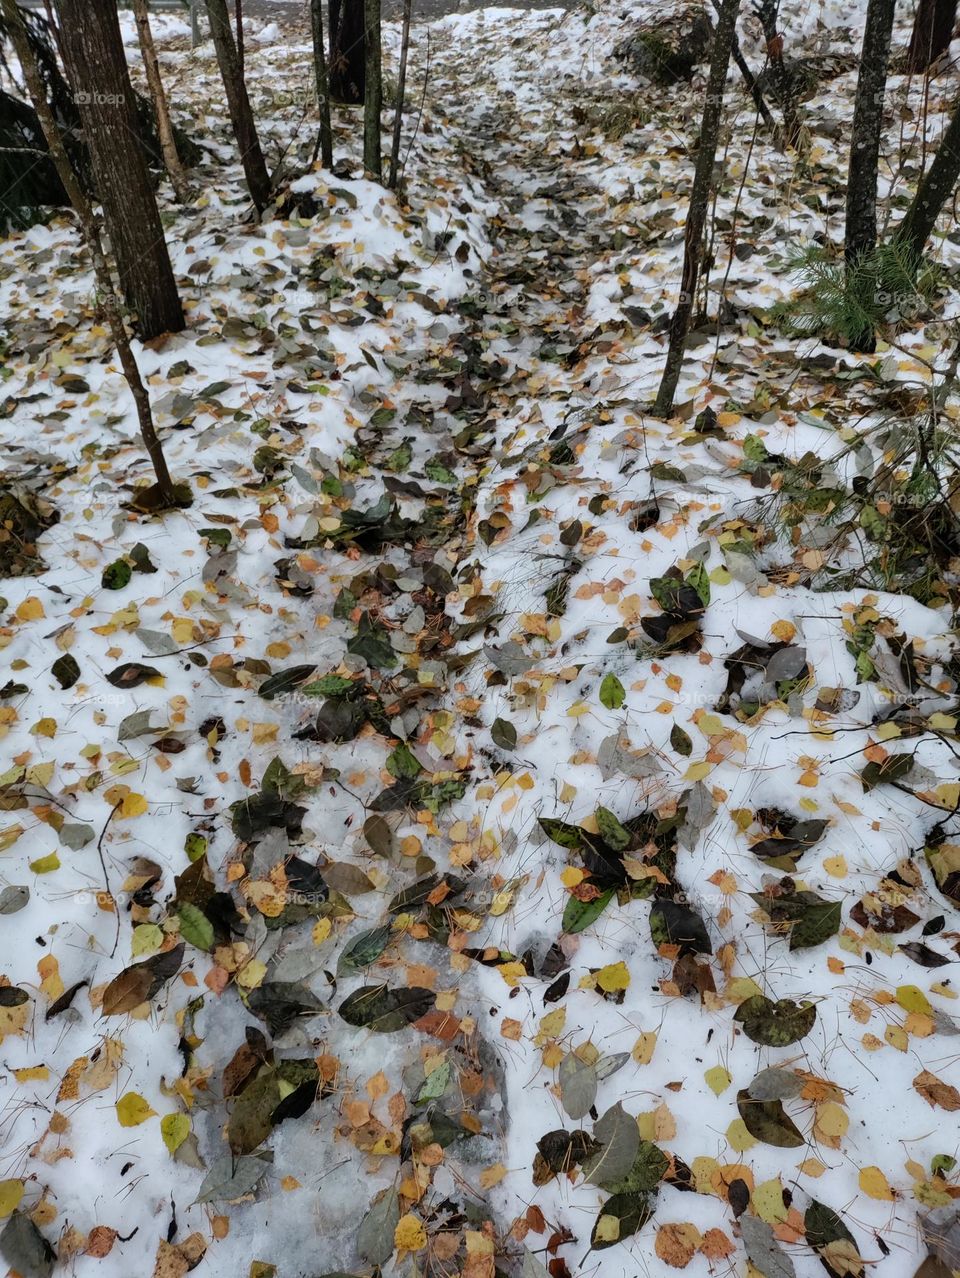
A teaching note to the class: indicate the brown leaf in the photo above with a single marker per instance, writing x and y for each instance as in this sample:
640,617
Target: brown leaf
936,1092
100,1242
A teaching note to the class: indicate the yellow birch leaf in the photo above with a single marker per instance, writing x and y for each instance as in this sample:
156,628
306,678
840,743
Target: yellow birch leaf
875,1185
132,1110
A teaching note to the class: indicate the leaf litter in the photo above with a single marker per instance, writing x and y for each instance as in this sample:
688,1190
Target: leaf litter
465,839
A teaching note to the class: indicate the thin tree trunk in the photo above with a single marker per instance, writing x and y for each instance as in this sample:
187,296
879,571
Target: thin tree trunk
97,68
325,136
936,187
151,66
931,35
373,95
241,56
699,200
767,13
238,104
166,489
860,233
347,62
401,89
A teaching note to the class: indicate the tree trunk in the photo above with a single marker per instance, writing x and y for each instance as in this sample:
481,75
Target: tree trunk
97,67
241,57
767,12
347,61
325,135
373,95
932,31
860,234
167,491
151,66
238,104
699,200
936,187
401,90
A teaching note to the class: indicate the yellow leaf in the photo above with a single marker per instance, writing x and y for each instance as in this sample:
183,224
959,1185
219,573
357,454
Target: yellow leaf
31,609
45,728
783,630
133,805
613,977
409,1234
512,973
11,1191
32,1074
711,725
146,938
831,1123
321,930
251,974
697,771
607,1229
875,1185
644,1047
887,731
46,864
718,1079
768,1201
738,1136
912,999
132,1110
174,1128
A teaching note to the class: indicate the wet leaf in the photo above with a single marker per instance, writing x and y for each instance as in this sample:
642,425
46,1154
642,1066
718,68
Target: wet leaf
385,1010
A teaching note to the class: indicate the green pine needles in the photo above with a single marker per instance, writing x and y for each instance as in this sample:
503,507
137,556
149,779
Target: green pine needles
842,302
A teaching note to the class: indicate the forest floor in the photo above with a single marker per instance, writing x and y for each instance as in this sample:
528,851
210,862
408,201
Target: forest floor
486,830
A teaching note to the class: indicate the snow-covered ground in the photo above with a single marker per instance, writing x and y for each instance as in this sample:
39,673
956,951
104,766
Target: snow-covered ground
469,367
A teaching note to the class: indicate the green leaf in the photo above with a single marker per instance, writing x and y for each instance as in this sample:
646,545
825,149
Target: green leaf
578,915
116,575
66,671
195,846
675,924
775,1024
767,1121
818,923
612,694
565,835
284,681
681,741
330,685
364,949
699,578
620,1217
504,734
611,831
372,643
385,1010
195,927
402,763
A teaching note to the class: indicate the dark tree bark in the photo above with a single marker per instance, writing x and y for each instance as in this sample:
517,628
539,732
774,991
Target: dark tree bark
347,57
401,90
936,187
767,11
932,30
240,44
238,104
168,493
325,135
373,94
699,200
97,68
860,234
